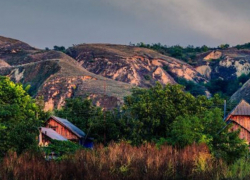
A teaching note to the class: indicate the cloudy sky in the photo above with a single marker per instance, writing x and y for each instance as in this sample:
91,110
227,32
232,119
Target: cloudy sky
45,23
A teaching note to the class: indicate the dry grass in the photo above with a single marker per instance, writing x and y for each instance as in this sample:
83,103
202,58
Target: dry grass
117,161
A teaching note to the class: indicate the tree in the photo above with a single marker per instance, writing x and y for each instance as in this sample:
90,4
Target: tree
92,120
224,46
59,48
153,110
18,118
169,114
208,128
79,111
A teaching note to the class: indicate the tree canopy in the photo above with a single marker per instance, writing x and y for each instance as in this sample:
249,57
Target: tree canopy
159,114
18,117
181,119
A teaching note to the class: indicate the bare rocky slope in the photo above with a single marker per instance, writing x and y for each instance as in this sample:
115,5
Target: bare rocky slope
134,65
56,76
226,64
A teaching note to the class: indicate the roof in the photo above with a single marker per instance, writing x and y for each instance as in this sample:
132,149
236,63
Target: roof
242,109
52,134
78,132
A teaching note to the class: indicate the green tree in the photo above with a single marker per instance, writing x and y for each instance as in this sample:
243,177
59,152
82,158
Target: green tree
79,111
208,127
103,126
169,114
18,118
61,148
153,110
59,48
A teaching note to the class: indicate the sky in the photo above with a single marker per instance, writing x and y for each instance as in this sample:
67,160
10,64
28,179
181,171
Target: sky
45,23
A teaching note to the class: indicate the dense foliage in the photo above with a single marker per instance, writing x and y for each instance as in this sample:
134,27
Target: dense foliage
18,117
226,87
243,46
61,148
162,115
181,119
159,114
187,54
103,126
195,89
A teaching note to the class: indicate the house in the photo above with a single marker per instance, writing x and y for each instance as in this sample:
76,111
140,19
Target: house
62,129
46,134
240,118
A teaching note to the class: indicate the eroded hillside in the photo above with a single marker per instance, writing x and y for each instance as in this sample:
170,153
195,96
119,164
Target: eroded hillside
55,76
134,65
226,64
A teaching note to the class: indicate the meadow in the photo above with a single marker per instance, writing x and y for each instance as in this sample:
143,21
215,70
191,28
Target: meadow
123,161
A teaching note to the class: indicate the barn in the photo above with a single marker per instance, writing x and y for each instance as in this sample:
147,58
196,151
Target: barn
46,134
61,129
240,118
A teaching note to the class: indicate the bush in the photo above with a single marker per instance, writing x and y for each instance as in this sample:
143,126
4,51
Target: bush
147,77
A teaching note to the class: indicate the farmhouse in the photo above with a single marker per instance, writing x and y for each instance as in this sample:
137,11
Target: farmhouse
61,129
240,118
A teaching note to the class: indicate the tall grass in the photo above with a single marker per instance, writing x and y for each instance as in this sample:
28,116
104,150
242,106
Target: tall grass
120,161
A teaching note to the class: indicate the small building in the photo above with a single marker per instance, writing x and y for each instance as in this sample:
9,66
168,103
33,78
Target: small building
46,134
61,129
240,118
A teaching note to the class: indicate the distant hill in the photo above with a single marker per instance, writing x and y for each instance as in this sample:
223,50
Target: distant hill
107,72
134,65
227,63
56,76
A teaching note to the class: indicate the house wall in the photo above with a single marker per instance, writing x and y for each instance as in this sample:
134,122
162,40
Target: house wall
244,121
244,134
60,129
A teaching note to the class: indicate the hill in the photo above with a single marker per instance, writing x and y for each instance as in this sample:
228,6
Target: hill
56,76
134,65
227,63
107,72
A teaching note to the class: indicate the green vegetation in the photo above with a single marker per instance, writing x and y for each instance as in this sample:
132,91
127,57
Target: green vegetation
187,54
147,77
61,148
59,48
194,88
159,114
18,118
243,46
102,126
166,116
226,87
168,112
223,46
